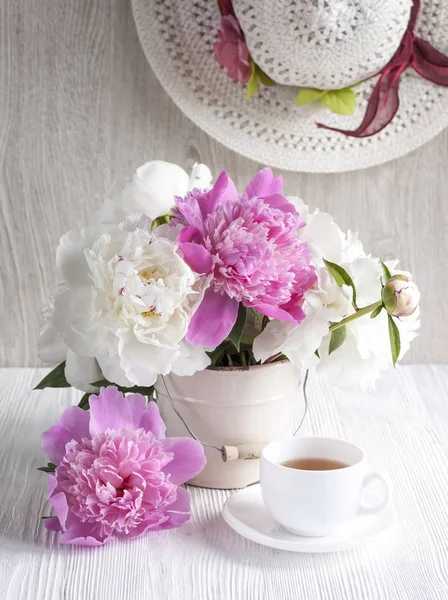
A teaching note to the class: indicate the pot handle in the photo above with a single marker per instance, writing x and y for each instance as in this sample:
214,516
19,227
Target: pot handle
247,451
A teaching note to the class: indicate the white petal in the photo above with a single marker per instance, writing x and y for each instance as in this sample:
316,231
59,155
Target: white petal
151,192
169,232
112,371
72,319
324,238
201,177
70,259
345,367
142,363
366,274
191,359
81,371
297,342
153,189
50,347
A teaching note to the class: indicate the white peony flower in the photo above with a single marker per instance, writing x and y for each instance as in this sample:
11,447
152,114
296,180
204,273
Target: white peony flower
80,371
366,349
326,302
128,304
151,191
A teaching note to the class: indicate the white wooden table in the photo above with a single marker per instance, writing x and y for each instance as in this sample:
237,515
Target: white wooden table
404,429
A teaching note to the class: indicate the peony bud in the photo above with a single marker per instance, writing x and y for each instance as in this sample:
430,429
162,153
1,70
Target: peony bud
400,295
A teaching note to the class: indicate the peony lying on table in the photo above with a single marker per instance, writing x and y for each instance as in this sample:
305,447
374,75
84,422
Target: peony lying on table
175,275
113,473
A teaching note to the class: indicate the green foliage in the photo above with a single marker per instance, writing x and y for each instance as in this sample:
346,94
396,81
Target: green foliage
135,389
386,272
237,331
341,102
257,76
341,277
236,349
84,402
164,219
50,468
337,338
376,312
54,379
394,337
308,96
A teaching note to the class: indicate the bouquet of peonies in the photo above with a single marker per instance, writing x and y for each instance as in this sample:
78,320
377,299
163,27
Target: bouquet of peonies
175,275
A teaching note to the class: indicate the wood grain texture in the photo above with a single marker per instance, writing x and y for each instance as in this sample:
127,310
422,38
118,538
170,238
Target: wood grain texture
402,427
80,109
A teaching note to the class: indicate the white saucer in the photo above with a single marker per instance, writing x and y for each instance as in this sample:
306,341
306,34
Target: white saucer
246,513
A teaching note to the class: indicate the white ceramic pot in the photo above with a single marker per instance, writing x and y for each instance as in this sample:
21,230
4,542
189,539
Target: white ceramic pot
232,406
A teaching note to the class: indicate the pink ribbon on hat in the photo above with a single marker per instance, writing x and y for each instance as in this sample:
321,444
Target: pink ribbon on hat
383,104
226,8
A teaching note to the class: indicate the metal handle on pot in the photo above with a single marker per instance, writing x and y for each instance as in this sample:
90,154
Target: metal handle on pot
247,451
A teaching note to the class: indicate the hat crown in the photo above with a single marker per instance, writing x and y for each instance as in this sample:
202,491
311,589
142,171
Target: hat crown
327,44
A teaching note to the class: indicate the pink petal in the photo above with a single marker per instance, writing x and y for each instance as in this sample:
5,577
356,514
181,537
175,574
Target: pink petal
295,315
264,184
189,458
52,484
73,425
213,320
150,525
198,257
59,503
281,203
52,524
190,234
82,534
111,410
178,511
223,190
152,421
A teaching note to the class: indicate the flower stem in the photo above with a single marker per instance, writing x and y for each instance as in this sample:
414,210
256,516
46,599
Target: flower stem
359,313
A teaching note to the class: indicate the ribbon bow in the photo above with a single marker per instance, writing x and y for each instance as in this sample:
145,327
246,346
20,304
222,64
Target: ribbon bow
383,104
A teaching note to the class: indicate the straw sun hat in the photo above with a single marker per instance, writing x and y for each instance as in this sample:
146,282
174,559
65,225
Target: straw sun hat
306,65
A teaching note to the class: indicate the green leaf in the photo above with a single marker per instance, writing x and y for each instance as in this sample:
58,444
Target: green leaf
84,402
394,337
376,312
263,78
309,96
386,272
101,383
254,326
54,379
50,468
316,352
135,389
337,339
252,84
341,277
341,102
237,330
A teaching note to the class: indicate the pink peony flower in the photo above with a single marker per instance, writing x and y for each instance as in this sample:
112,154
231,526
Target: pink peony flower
117,475
249,247
231,51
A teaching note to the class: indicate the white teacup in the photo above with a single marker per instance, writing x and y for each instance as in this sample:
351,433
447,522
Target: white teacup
315,503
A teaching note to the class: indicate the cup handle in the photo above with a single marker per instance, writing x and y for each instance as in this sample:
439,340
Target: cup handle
371,510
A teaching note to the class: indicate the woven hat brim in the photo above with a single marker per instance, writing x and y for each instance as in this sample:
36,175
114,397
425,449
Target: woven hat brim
177,39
